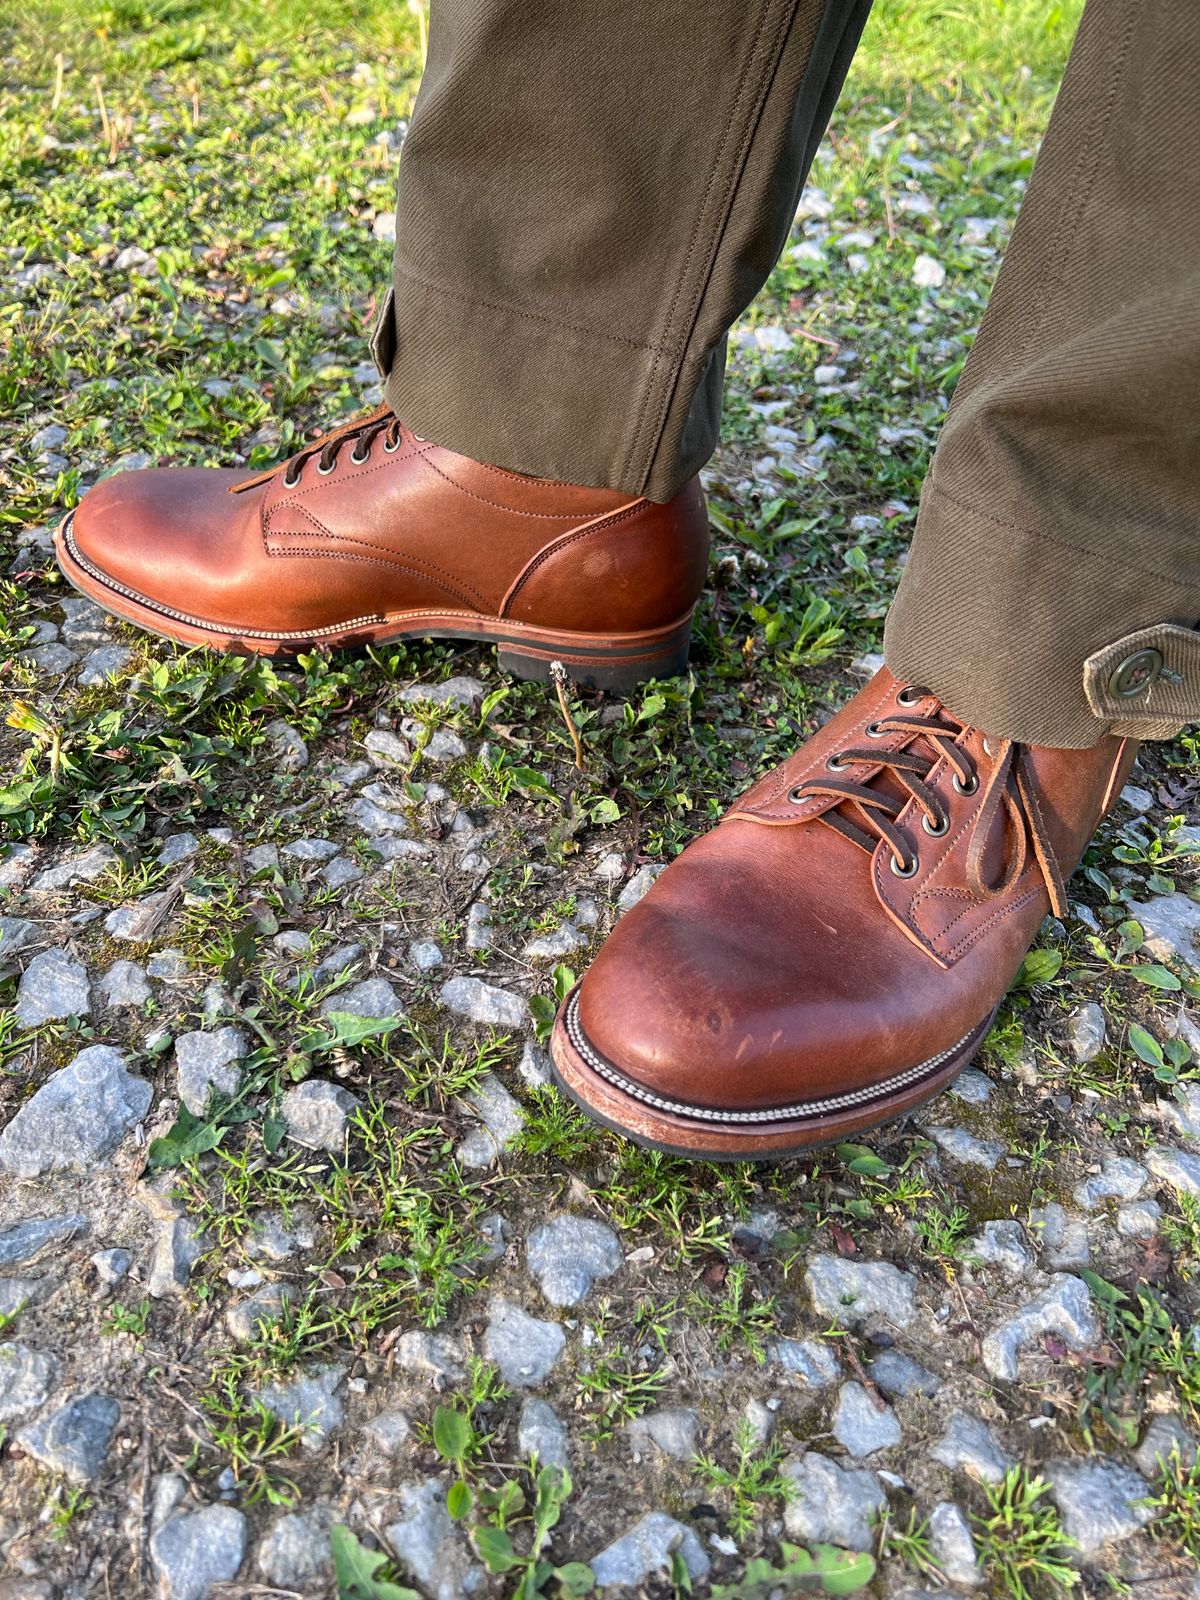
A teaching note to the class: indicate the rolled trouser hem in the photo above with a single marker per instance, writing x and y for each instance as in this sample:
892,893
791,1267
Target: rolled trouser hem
487,380
1036,639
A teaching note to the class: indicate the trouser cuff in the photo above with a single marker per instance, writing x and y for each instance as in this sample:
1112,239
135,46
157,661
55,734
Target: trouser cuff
1036,640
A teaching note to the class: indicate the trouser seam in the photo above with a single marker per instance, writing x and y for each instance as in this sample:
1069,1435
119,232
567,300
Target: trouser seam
677,347
932,488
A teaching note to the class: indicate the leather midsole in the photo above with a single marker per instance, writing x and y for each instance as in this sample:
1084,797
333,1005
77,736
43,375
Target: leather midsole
796,1111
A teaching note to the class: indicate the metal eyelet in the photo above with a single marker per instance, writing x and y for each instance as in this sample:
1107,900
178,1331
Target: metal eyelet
797,797
904,872
325,471
390,449
835,765
289,482
909,695
874,731
964,788
935,831
357,459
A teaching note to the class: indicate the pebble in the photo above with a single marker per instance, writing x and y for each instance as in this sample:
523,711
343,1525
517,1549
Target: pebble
111,1265
638,887
316,1112
1140,1219
810,1359
963,1147
425,955
1098,1502
178,1245
952,1545
208,1061
373,997
245,1319
194,1550
311,849
389,1431
103,663
534,1066
673,1430
23,1240
1086,1032
169,965
15,934
1002,1244
16,862
287,746
461,691
1170,923
376,820
27,1377
125,984
386,749
482,1002
74,1440
968,1444
341,872
310,1402
859,1426
568,1254
1183,1111
831,1504
479,926
848,1292
525,1349
542,1433
501,1120
430,1547
437,1355
899,1376
1064,1307
652,1545
1165,1436
556,945
1177,1169
972,1086
53,986
294,1552
1063,1240
444,745
77,1118
1119,1178
83,868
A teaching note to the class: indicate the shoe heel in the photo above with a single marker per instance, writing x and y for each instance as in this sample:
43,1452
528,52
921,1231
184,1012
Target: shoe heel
617,665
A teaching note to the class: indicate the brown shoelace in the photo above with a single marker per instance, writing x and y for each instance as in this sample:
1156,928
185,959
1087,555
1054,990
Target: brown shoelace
1010,787
363,430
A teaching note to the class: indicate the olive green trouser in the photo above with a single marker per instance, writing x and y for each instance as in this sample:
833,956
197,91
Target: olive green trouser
592,190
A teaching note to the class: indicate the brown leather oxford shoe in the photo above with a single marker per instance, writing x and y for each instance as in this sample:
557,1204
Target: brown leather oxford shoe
372,534
832,953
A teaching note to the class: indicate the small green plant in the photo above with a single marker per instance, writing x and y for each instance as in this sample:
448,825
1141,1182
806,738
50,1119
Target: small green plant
822,1570
127,1319
909,1544
495,1511
65,1507
545,1008
1020,1542
753,1479
1177,1502
737,1318
361,1574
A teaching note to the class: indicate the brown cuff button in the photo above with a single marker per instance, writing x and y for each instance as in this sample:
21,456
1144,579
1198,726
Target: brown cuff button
1136,673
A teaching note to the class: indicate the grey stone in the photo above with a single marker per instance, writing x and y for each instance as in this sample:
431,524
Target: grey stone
127,260
1170,923
294,1552
134,923
288,748
77,1118
1183,1111
1062,1240
15,934
27,1377
482,1002
316,1112
74,1440
1064,1307
52,659
524,1348
373,997
650,1546
16,863
461,691
1086,1031
376,820
430,1547
85,867
1176,1168
859,1426
899,1376
24,1239
340,959
1119,1178
479,926
169,965
245,1318
832,1504
555,946
965,1148
673,1430
437,1355
386,749
972,1086
542,1433
310,1402
311,849
208,1061
341,872
194,1550
54,985
760,1420
1139,1219
1165,1436
810,1359
389,1431
1098,1502
444,745
534,1065
103,663
638,886
1002,1244
262,856
125,984
952,1545
967,1444
111,1265
568,1254
17,1293
425,955
848,1292
501,1120
178,1245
